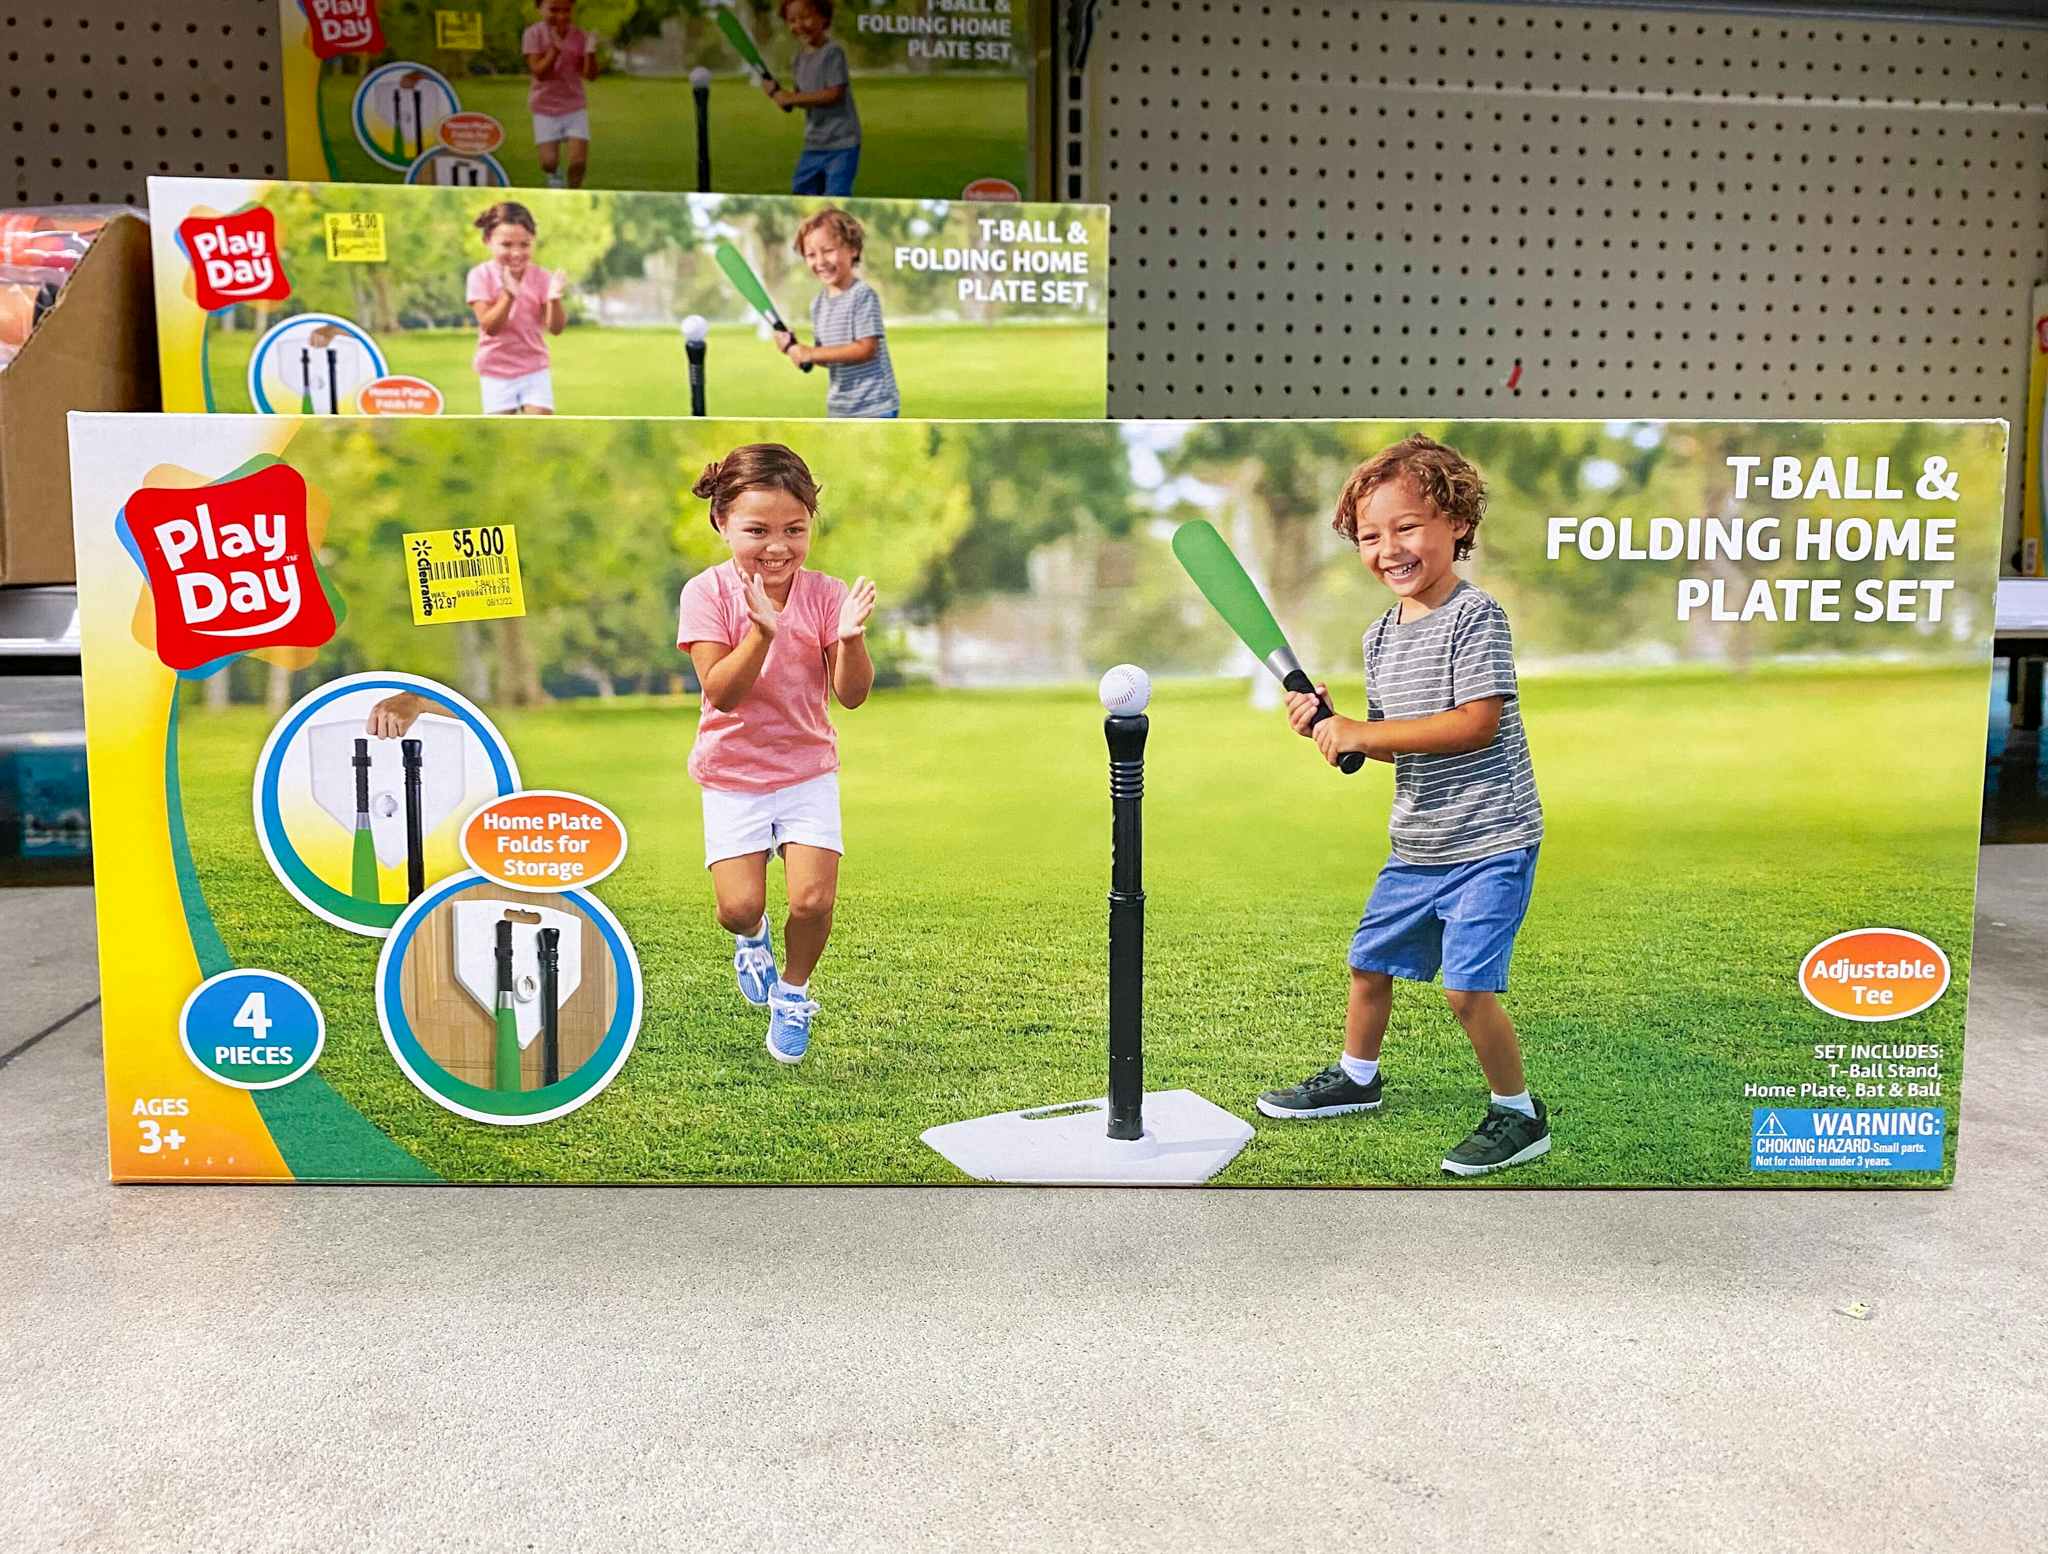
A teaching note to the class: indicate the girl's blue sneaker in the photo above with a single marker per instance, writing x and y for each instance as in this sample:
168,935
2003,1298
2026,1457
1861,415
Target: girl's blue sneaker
789,1026
753,963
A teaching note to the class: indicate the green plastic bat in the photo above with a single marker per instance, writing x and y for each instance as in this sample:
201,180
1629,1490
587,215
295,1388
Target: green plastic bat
1230,591
505,1059
748,285
363,866
743,45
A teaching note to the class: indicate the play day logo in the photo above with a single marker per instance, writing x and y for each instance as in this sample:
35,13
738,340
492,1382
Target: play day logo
234,259
344,27
230,567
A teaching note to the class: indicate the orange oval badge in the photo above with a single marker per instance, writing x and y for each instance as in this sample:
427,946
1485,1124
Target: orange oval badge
991,189
471,134
542,840
399,396
1873,974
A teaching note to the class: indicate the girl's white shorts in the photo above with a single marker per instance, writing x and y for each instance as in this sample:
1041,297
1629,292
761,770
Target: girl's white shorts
806,813
502,396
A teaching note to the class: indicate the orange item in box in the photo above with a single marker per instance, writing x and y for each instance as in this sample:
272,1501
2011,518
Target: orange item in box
55,238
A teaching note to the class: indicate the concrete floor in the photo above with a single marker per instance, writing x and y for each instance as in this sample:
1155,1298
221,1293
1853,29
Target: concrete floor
289,1368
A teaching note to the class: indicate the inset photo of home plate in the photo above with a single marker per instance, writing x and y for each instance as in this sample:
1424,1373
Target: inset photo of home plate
313,364
508,1007
362,789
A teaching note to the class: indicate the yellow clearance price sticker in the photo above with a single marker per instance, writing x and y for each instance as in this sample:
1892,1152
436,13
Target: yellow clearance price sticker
459,30
463,575
355,237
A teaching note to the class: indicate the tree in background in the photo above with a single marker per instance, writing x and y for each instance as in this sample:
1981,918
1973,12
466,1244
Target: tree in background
1028,485
430,245
1281,481
409,31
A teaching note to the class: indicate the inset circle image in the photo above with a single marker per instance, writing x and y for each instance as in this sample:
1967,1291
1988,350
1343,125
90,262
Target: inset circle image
362,788
450,169
313,364
508,1007
398,110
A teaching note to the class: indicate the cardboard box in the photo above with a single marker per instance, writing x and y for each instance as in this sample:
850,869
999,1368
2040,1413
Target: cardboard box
375,703
329,298
937,100
94,350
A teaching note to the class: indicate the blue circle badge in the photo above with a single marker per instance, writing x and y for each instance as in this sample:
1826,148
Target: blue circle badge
254,1030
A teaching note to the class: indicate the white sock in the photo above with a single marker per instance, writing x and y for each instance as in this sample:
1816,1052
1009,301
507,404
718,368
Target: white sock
1517,1103
557,181
760,933
1360,1071
803,990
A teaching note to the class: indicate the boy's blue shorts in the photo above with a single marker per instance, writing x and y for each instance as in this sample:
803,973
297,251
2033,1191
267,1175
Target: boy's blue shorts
826,172
1458,917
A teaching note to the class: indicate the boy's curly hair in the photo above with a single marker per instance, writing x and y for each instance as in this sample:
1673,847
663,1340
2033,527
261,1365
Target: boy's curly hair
1444,478
822,7
836,223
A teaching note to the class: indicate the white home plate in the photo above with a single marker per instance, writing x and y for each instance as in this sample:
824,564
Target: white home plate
1187,1140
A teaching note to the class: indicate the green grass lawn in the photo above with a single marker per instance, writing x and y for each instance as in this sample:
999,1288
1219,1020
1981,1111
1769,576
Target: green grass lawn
1703,834
1029,372
926,136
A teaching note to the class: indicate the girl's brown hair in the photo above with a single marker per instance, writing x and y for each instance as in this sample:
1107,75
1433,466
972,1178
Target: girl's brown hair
838,224
756,467
1443,477
501,213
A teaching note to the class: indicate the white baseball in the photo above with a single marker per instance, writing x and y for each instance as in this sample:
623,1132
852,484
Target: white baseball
695,328
1125,690
700,77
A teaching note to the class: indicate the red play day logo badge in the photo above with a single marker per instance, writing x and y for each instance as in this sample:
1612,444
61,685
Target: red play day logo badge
230,567
234,259
344,27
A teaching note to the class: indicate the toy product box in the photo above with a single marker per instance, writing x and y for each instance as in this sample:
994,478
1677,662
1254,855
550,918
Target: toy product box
345,298
2028,560
887,97
1260,803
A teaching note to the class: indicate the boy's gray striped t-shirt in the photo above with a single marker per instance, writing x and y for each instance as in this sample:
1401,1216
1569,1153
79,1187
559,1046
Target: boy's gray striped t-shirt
858,388
836,127
1454,808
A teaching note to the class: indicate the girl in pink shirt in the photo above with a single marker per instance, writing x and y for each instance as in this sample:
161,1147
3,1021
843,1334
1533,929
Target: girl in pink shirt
772,643
517,305
560,57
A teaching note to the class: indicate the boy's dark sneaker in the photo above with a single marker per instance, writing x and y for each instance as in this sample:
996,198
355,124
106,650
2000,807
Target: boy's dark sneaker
1503,1138
1328,1093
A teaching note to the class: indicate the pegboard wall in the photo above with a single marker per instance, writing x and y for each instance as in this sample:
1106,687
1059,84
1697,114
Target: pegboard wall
100,94
1385,210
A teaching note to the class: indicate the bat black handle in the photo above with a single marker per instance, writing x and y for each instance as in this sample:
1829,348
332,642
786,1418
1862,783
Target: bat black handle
1351,760
779,324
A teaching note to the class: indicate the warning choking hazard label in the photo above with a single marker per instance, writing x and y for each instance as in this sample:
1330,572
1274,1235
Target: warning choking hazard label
1888,1139
464,575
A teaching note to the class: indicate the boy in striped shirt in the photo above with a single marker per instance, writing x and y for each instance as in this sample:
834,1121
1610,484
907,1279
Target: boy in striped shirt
1466,823
846,321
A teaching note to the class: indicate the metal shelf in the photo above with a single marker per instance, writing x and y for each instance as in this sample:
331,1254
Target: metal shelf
39,622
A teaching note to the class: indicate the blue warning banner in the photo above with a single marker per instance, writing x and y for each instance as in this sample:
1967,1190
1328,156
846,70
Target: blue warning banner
1858,1139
